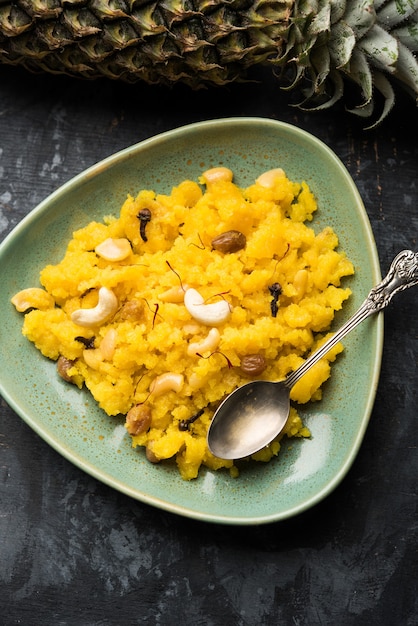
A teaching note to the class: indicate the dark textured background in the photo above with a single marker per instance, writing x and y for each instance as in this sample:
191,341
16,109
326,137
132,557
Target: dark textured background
75,552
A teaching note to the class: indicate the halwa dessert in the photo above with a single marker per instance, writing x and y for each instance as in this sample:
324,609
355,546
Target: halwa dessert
166,308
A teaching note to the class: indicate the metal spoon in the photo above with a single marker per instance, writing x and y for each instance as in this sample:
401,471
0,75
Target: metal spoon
255,413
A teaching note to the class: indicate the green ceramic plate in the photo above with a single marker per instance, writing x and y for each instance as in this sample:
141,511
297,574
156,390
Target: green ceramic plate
306,471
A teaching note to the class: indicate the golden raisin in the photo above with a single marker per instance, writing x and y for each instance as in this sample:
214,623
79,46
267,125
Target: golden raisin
132,310
138,419
230,241
63,366
253,364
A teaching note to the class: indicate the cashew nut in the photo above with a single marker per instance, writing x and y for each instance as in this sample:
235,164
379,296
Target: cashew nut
93,358
300,282
150,454
191,329
114,249
216,174
174,294
33,298
108,344
269,178
208,314
208,344
170,381
105,308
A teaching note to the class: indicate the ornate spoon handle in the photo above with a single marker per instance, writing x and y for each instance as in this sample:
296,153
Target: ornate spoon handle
403,273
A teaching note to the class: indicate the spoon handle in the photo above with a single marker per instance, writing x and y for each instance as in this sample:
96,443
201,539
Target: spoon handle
403,273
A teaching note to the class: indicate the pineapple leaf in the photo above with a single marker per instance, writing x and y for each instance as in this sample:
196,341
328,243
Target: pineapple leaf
321,63
364,111
341,44
396,12
322,20
323,100
360,16
361,74
407,68
378,4
408,35
384,87
381,48
338,10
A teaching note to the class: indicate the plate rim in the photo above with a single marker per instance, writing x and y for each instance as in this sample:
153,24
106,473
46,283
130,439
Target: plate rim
86,465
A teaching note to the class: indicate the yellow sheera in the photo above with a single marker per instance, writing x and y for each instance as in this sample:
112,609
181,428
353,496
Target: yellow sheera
165,365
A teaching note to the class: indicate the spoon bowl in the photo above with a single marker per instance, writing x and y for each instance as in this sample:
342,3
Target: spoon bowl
251,415
254,414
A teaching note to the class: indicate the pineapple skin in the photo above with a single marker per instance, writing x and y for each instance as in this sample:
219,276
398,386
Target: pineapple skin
193,42
320,44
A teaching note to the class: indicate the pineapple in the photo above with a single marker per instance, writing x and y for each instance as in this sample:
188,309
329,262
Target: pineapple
315,45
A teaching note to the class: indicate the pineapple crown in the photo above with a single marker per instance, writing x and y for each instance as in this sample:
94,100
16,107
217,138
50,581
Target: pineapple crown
369,42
